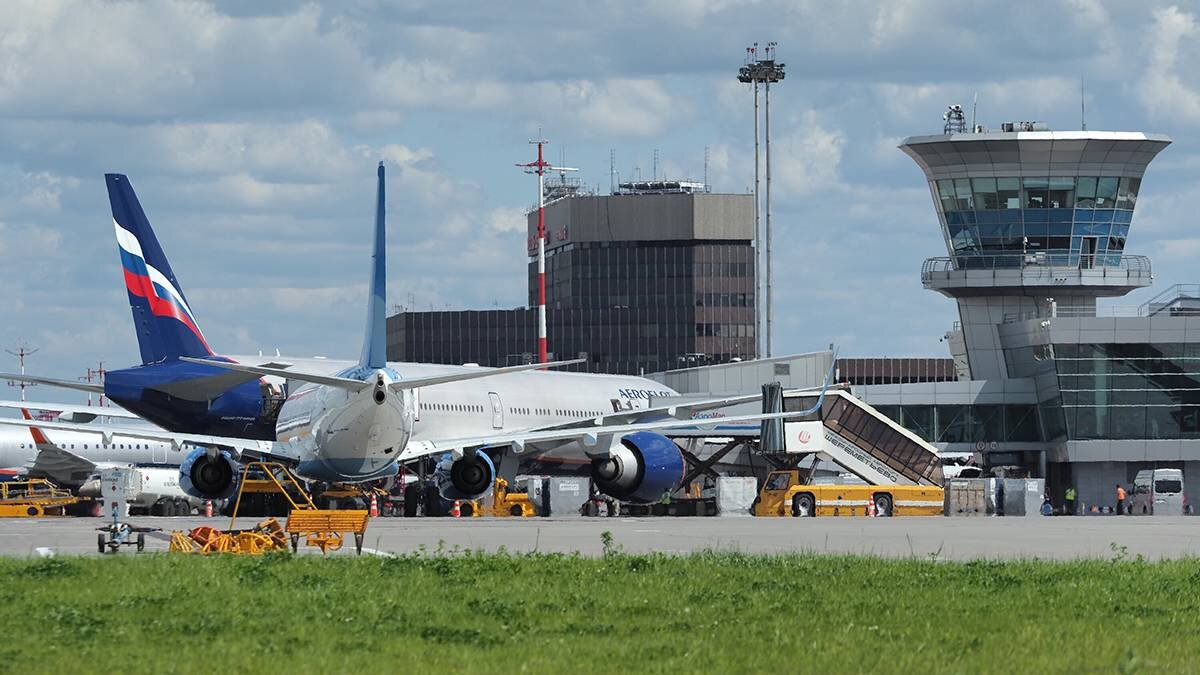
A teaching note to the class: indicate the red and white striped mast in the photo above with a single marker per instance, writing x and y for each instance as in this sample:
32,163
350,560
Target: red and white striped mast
540,167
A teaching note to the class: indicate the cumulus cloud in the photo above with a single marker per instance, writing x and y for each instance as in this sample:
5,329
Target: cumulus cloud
808,157
1170,87
251,132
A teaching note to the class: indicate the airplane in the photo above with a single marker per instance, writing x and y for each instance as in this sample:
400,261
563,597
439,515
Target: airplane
73,459
358,421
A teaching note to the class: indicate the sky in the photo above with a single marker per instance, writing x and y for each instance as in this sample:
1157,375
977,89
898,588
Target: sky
251,132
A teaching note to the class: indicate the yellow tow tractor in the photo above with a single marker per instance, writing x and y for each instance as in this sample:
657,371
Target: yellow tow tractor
33,497
511,503
785,494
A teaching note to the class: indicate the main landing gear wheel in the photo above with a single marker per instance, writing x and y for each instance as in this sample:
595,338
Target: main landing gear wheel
883,506
803,506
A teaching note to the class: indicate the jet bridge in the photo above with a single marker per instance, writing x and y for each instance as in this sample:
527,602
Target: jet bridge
862,440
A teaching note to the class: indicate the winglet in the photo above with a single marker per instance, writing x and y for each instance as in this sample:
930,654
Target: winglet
374,353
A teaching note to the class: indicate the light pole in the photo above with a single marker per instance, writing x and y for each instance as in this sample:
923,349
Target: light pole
754,72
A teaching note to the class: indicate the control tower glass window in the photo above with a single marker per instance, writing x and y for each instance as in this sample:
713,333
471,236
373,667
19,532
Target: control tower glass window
1045,220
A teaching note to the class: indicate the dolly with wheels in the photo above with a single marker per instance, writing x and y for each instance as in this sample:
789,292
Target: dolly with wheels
115,484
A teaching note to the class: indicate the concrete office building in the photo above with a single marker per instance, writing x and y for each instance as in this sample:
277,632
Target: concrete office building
658,275
1051,383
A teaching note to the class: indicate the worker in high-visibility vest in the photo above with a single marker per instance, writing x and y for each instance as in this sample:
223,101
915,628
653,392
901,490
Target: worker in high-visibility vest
1120,500
1070,499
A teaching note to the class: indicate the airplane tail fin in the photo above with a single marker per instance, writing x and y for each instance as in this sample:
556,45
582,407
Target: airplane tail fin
166,328
374,351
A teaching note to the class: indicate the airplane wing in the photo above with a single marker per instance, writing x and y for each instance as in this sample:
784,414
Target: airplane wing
359,385
78,413
588,436
598,435
49,381
238,445
58,464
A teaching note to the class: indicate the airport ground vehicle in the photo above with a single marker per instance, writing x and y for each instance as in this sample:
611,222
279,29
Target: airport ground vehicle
32,497
1158,491
511,503
784,493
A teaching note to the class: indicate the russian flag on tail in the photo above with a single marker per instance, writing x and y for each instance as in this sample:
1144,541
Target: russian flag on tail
166,327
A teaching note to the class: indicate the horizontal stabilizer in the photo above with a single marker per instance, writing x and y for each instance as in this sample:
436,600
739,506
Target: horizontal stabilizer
359,385
269,370
79,413
51,382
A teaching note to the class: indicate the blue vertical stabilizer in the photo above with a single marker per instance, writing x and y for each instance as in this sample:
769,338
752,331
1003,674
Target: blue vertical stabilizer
166,328
374,352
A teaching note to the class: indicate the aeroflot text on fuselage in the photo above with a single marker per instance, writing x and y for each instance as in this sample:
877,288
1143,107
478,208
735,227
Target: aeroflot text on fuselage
643,393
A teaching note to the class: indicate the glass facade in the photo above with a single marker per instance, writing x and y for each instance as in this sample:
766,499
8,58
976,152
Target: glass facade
631,307
1129,391
637,306
1010,423
1077,221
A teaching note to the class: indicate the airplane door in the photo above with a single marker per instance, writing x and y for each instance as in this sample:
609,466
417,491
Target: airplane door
497,410
159,451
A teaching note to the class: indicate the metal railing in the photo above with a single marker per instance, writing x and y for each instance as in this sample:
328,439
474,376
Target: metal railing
1105,311
1139,264
1180,299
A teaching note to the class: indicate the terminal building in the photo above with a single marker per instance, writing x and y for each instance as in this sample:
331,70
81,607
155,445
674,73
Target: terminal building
656,276
1046,377
1051,383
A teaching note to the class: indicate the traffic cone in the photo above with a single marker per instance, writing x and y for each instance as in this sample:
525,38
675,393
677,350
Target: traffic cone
208,508
457,510
374,506
870,508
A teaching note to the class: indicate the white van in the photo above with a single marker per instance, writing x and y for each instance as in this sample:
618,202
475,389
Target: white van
1158,491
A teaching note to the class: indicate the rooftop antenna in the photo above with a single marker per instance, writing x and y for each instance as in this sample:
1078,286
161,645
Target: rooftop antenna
21,351
1082,106
706,168
612,170
974,107
654,170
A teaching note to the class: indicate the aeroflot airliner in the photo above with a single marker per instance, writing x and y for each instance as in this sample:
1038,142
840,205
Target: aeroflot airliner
355,421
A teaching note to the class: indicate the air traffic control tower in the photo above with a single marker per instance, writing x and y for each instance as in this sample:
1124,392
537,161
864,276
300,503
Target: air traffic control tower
1050,382
1035,222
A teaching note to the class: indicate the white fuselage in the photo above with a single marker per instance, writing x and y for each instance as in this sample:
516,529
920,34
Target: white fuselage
19,450
330,423
342,434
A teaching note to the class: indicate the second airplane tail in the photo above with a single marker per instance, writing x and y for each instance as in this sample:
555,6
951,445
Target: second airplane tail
166,328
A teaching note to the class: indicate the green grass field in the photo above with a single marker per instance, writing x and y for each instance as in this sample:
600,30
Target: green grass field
717,612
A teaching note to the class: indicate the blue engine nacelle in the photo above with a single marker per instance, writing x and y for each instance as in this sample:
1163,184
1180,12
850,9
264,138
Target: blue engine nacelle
641,468
209,476
467,478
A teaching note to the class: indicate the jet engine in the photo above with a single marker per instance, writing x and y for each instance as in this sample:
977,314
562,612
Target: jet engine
465,478
640,468
209,476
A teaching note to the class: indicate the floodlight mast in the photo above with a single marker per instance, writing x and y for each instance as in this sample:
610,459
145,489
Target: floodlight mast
764,71
540,167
